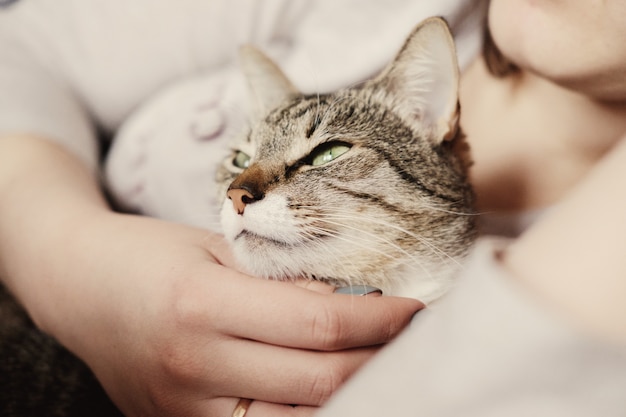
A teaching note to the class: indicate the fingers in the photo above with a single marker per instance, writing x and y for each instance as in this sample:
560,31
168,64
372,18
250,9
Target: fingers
297,316
228,367
284,314
283,375
224,407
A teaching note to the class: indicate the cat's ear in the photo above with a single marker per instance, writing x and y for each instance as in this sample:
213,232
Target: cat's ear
269,86
423,80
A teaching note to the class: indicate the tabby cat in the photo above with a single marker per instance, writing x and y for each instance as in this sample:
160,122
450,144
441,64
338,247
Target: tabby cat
367,185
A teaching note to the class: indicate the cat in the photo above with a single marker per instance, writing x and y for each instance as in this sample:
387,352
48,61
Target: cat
368,185
364,186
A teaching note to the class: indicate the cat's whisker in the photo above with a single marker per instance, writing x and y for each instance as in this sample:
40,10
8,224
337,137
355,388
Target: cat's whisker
327,249
365,244
318,120
376,238
423,240
443,255
433,207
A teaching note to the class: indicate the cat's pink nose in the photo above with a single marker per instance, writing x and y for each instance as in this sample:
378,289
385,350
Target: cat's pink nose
240,198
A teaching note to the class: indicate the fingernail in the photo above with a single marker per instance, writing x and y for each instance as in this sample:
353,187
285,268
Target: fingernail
358,290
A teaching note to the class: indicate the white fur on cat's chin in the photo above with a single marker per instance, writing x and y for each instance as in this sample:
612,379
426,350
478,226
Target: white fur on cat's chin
271,218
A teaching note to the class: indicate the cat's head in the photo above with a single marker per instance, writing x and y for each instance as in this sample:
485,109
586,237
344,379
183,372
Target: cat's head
367,185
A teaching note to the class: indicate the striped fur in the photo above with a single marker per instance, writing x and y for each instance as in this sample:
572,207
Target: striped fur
394,211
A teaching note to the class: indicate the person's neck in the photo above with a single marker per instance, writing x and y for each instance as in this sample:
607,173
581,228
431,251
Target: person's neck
532,139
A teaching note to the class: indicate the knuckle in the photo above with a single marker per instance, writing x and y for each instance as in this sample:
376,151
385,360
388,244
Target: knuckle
387,327
159,397
176,362
185,309
327,329
325,382
177,355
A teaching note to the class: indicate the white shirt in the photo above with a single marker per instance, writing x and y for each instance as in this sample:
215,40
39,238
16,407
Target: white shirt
76,70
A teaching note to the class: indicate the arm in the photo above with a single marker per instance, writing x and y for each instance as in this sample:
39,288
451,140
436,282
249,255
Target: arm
574,258
152,308
536,326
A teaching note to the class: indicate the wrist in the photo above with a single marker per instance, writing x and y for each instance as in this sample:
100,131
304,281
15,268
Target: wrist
46,196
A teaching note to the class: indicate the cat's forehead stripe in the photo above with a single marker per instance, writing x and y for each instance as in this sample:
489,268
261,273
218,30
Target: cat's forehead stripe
297,108
367,196
399,165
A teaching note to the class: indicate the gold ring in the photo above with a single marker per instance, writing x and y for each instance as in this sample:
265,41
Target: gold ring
242,407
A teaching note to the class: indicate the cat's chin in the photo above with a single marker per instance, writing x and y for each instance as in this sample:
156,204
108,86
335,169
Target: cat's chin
254,241
272,259
264,258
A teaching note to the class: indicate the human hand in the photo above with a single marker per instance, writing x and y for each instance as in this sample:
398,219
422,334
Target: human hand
170,329
154,309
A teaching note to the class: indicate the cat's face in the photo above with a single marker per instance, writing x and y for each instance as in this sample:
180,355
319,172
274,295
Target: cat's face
352,188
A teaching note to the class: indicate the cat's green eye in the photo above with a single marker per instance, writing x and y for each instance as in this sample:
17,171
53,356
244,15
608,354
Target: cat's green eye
241,160
326,152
